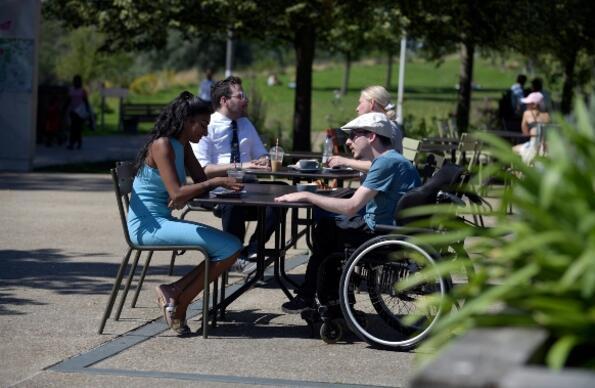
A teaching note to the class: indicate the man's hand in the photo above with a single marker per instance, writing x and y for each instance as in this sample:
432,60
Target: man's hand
260,163
337,161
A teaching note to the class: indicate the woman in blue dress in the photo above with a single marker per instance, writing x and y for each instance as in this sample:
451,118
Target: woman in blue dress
159,186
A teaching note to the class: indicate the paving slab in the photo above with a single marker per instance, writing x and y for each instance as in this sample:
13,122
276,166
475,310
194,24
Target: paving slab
60,246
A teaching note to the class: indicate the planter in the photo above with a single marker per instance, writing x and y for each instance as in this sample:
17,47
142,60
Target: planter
503,357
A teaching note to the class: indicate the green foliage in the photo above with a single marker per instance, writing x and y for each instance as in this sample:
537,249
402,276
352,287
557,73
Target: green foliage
538,265
64,53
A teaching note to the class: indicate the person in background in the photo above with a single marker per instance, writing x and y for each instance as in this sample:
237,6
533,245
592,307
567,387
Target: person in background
546,103
204,88
79,111
517,94
373,99
232,142
389,177
532,118
160,186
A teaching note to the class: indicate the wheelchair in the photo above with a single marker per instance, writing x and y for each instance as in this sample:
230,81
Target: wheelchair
358,289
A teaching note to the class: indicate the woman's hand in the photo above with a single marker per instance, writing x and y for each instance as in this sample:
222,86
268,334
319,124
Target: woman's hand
300,196
175,205
338,161
228,183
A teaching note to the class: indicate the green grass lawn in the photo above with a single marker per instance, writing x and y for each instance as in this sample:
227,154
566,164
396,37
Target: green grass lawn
429,93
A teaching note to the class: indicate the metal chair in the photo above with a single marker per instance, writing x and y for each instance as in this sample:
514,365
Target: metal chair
123,176
410,148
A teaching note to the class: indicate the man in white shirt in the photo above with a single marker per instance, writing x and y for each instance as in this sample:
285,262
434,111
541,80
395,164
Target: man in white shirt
204,89
232,142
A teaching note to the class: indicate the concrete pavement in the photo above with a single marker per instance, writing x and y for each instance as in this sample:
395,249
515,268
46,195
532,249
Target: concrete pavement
60,245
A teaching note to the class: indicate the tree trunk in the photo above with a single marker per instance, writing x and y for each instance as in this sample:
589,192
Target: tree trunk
304,44
389,70
567,89
345,86
465,79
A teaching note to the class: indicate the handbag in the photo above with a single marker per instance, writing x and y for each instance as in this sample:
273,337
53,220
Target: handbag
82,111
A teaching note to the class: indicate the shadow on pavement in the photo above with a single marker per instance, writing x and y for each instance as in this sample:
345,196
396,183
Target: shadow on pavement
54,182
50,269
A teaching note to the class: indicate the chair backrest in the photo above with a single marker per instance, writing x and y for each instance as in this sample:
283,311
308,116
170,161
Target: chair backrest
468,151
122,177
410,148
448,178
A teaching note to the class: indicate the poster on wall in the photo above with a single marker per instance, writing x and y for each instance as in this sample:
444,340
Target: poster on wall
16,65
19,34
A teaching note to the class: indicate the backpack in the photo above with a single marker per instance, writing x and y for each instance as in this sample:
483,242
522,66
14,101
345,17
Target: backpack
505,107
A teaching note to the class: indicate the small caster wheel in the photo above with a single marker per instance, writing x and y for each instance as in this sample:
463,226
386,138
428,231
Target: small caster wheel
331,332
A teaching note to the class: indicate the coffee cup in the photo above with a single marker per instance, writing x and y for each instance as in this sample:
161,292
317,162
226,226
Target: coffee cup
238,174
276,156
308,164
311,187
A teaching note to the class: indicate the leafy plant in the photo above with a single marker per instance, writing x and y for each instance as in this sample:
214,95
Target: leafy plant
535,268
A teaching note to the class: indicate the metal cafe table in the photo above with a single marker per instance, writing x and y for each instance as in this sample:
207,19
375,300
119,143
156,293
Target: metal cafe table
261,196
297,175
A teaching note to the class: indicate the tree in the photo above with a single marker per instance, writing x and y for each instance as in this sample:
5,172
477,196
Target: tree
142,24
565,30
464,24
385,33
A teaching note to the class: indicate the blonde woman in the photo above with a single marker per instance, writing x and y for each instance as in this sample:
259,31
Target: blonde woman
533,117
373,99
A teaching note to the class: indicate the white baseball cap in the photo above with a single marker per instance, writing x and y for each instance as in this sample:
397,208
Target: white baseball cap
374,122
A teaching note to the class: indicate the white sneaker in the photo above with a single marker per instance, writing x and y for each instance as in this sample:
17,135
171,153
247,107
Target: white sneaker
243,266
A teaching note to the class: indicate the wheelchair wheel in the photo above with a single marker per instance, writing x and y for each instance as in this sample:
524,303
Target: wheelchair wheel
331,331
394,319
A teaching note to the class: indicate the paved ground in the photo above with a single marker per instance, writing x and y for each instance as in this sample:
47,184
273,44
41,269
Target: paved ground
60,245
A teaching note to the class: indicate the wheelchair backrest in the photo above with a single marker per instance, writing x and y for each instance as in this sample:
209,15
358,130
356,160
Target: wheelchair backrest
448,178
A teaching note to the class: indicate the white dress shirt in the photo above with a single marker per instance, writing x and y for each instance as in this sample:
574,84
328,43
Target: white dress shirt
215,147
204,90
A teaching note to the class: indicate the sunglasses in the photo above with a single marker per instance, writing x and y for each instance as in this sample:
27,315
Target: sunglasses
353,134
239,96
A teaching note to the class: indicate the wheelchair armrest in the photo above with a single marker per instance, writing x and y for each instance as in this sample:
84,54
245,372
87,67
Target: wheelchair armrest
400,229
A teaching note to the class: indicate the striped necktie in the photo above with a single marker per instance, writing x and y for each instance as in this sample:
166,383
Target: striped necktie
235,143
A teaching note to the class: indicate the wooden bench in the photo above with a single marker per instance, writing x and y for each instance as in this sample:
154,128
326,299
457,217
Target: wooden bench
133,113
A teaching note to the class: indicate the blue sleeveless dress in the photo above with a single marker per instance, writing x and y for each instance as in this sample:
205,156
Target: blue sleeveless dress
150,221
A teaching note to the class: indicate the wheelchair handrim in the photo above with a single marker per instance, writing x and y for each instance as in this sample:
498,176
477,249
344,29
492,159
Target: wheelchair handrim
352,319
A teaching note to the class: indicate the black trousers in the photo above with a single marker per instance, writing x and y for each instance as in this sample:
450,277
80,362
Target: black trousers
76,130
330,235
233,220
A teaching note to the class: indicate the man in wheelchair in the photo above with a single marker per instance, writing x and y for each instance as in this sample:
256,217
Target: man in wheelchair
390,176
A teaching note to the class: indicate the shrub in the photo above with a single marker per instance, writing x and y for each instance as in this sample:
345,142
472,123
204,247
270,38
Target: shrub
538,264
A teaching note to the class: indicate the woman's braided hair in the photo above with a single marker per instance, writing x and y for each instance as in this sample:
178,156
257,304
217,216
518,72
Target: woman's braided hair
170,121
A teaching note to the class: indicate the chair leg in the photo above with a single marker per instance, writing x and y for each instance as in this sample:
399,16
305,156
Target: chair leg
114,293
224,280
142,279
171,262
205,301
174,252
214,302
128,282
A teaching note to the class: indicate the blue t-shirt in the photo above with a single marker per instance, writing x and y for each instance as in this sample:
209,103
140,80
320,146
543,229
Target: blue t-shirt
391,175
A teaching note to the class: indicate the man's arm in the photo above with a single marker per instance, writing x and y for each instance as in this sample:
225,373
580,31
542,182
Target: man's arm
345,206
360,165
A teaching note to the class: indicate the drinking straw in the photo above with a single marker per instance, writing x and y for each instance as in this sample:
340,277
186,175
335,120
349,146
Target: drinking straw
277,150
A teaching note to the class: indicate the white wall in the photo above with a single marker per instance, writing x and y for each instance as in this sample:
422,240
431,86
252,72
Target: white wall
19,44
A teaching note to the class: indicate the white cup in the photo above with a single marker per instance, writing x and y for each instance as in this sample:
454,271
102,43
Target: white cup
308,164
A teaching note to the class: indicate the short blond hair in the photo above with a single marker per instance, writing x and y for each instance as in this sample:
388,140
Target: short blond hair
380,96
